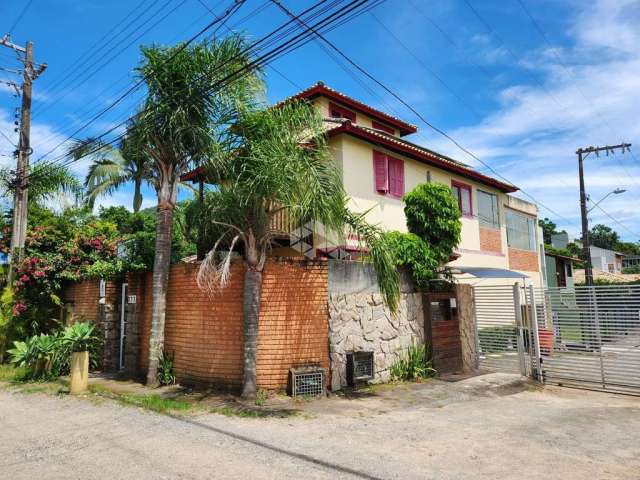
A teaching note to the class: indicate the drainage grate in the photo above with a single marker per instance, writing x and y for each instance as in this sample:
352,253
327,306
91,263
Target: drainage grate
307,381
359,367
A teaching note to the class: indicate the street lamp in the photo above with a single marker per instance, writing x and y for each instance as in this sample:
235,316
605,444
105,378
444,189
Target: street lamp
617,191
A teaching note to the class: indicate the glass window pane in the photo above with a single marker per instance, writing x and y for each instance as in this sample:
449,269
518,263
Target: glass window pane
521,231
488,209
465,200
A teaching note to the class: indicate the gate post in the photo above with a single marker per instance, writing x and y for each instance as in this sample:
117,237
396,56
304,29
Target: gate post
518,316
534,328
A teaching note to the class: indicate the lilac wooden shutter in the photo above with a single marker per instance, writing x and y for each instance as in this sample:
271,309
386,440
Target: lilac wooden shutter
380,172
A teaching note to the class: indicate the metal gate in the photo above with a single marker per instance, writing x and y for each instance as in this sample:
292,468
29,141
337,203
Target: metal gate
581,336
506,330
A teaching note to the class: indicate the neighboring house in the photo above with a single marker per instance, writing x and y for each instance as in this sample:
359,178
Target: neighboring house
500,235
606,260
558,271
560,240
629,261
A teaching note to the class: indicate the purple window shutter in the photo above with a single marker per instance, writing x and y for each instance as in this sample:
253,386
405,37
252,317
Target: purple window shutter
380,172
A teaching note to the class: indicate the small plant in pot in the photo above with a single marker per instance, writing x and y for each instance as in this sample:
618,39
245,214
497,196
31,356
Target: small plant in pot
81,340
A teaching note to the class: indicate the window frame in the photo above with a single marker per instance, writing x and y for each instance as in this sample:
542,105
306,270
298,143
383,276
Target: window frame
394,164
383,127
463,186
532,235
494,226
351,115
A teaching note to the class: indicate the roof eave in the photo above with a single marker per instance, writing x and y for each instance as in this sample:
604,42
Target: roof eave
430,158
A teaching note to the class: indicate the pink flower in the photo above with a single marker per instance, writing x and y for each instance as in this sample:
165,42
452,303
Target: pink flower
39,273
24,278
18,308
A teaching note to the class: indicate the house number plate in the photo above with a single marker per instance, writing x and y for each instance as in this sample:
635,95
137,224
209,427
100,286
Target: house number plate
131,299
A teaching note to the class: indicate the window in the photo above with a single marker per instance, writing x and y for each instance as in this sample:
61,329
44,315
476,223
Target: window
521,231
488,209
384,128
388,175
463,193
336,111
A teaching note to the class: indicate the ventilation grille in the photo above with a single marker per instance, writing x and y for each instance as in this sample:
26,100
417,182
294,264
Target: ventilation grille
307,381
359,367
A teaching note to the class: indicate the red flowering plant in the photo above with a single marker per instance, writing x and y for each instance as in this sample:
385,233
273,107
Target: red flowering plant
54,254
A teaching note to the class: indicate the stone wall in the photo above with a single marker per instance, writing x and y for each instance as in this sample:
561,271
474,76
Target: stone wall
468,331
361,322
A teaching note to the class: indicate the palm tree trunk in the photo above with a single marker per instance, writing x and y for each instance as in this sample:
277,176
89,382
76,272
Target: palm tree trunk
251,313
161,266
137,195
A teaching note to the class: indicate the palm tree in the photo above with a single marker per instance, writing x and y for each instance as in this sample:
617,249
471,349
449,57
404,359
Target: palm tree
282,166
46,180
112,168
189,106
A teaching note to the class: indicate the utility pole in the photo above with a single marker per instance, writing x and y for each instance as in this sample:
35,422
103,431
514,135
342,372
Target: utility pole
20,203
583,153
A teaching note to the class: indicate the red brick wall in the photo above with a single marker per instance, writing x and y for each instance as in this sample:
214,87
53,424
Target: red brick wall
84,296
294,321
523,260
490,240
204,332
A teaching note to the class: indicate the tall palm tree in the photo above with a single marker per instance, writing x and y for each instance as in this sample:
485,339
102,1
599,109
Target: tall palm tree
185,118
282,166
46,180
112,168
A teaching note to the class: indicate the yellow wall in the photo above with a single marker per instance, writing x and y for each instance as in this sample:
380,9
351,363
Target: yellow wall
354,157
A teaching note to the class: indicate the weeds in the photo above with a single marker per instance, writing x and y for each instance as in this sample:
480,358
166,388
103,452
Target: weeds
166,375
414,364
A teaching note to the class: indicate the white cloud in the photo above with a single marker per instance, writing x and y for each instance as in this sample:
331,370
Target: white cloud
590,95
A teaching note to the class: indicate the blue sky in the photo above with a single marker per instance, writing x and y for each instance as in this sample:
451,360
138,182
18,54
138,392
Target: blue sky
520,95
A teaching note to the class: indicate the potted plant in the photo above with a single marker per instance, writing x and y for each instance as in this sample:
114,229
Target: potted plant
81,340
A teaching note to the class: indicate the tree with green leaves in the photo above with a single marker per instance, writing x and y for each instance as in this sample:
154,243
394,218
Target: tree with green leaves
185,120
604,237
549,228
112,168
282,166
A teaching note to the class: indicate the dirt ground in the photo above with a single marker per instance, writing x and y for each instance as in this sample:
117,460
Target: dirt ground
493,426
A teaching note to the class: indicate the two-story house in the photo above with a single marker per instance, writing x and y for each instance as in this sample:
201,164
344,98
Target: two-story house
500,239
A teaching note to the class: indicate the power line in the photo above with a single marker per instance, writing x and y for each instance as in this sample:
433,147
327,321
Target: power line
575,84
407,105
20,15
87,73
288,46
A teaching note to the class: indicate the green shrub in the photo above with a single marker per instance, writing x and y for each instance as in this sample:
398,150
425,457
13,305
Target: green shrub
166,375
433,215
81,337
414,364
48,356
410,251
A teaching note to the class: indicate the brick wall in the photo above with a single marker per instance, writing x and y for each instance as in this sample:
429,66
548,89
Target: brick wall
490,240
82,304
523,260
294,323
204,332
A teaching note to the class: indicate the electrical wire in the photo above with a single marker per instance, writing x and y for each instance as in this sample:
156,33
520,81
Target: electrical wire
413,110
20,15
288,46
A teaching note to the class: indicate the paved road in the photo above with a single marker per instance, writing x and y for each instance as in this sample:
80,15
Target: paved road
446,431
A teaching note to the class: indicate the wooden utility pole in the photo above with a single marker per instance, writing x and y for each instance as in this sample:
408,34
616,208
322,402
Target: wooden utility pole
19,227
582,154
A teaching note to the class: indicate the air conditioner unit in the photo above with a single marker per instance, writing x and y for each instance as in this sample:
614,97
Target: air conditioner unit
307,381
360,367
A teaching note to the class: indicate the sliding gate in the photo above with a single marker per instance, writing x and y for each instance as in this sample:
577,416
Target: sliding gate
581,336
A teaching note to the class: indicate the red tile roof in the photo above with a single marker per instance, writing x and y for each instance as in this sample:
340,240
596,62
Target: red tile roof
321,90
